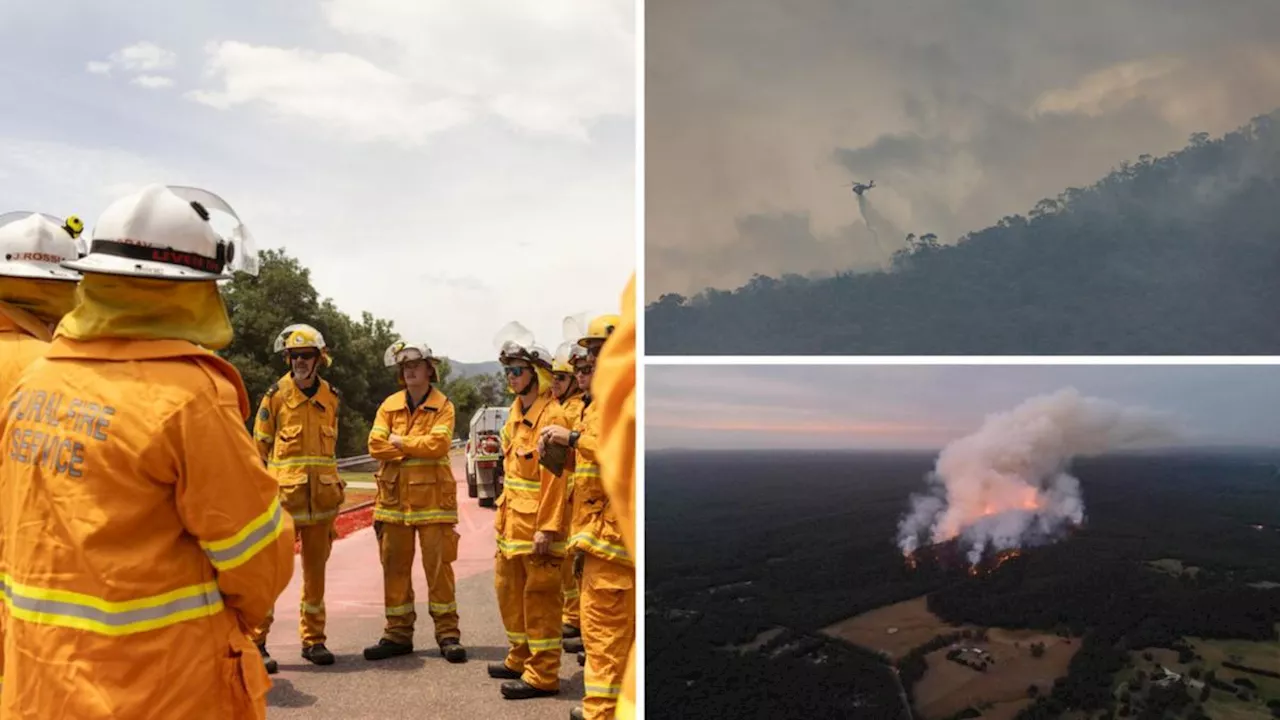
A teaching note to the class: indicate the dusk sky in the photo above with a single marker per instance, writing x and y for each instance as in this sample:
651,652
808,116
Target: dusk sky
924,407
759,113
428,160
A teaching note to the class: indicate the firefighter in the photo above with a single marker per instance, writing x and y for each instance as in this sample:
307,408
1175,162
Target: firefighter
614,385
35,292
297,434
531,524
568,395
160,538
601,558
417,503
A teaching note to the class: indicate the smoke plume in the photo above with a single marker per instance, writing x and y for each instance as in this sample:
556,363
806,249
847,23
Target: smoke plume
1006,486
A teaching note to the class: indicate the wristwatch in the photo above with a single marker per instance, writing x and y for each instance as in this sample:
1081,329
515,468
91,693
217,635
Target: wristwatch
573,439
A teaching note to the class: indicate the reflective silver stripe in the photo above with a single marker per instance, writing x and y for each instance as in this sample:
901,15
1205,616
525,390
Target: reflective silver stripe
225,558
43,606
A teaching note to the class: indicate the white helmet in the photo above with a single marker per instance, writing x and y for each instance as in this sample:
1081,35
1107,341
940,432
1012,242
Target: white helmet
515,342
299,336
165,233
34,245
568,354
400,351
575,326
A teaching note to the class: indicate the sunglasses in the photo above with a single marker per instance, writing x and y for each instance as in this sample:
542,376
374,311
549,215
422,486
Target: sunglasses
303,355
584,369
514,371
562,377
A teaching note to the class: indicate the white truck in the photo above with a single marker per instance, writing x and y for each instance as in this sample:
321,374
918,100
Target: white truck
484,454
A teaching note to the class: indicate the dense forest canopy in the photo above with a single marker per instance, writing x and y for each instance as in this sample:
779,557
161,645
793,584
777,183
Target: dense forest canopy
281,295
1166,255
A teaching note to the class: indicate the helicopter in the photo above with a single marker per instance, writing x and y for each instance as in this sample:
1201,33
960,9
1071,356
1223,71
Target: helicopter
859,188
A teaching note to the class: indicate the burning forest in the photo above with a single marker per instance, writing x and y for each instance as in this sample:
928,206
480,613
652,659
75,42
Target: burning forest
1005,488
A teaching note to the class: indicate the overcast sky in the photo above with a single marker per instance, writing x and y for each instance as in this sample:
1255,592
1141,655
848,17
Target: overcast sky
480,153
872,407
963,111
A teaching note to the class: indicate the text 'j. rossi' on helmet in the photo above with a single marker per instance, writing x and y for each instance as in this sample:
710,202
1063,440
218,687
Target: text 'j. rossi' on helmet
166,233
34,245
298,336
401,352
600,328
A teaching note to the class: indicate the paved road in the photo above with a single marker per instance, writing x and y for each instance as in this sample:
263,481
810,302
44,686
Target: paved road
420,685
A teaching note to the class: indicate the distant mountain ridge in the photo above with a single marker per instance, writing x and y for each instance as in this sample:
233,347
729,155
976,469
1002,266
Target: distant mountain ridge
1166,256
462,369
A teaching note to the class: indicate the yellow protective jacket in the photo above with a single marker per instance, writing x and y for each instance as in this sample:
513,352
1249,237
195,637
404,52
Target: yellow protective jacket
140,536
572,408
615,383
416,485
298,438
23,338
533,498
595,527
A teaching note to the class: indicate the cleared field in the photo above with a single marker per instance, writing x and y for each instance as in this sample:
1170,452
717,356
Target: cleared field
893,629
948,687
1221,705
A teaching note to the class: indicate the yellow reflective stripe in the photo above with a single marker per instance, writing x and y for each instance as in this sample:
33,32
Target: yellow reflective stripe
238,549
545,644
425,462
415,516
587,541
518,484
442,607
439,430
312,609
381,431
397,610
572,593
522,547
78,611
603,691
263,437
517,638
305,461
588,470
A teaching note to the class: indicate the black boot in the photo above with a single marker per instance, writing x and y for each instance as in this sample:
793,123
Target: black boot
521,690
582,659
576,713
502,672
387,649
572,644
318,654
452,650
268,661
570,631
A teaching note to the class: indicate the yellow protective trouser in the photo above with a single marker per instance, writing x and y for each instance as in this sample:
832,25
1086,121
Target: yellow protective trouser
530,598
608,631
439,544
571,615
317,543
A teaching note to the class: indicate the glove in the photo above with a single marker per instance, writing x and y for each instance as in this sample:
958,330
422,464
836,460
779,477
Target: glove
578,558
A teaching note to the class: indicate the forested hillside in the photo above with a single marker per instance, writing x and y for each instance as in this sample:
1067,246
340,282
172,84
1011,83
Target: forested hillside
1166,255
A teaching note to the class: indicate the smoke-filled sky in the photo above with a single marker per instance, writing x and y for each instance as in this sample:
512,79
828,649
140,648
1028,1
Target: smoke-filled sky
438,163
926,407
963,111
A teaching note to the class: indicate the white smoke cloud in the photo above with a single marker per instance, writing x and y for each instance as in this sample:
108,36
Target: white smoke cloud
1006,486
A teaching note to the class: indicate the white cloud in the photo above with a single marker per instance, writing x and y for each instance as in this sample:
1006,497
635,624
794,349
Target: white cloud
153,81
549,68
338,90
139,57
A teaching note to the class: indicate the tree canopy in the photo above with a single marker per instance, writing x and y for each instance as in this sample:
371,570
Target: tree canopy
1168,255
281,295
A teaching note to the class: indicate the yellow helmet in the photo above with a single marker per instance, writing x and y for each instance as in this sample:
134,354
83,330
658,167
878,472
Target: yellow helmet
299,336
600,329
74,226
